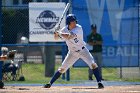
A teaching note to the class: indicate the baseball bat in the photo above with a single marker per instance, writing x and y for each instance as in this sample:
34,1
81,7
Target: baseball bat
64,12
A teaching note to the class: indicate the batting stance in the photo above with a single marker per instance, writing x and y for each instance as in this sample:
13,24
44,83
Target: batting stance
72,33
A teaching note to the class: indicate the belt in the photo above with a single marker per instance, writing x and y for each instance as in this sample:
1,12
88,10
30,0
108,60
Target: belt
80,50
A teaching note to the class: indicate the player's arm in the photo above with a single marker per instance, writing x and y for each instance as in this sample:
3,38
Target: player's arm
95,43
56,35
89,40
64,35
91,43
98,42
68,35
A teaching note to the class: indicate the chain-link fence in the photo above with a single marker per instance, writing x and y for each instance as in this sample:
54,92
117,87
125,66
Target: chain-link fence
118,23
120,40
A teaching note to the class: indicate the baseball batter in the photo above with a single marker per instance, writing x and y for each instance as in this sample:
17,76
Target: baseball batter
72,33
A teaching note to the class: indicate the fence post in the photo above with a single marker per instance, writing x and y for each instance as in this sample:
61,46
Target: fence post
1,83
68,71
49,61
63,57
68,75
0,37
138,34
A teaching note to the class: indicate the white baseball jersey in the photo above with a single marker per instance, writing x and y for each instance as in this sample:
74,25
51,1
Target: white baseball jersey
77,42
77,48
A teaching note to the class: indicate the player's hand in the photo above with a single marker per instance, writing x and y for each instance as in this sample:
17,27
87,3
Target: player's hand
56,35
57,28
92,43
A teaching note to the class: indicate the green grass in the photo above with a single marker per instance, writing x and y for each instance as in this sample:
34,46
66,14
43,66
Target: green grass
34,73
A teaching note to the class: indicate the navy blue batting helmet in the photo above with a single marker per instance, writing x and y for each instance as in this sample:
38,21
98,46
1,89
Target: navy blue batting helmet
70,18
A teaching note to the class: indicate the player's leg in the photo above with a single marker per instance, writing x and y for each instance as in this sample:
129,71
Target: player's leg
13,69
99,63
90,73
68,61
97,59
90,70
87,57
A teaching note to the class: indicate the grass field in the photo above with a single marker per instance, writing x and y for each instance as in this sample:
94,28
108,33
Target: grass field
34,73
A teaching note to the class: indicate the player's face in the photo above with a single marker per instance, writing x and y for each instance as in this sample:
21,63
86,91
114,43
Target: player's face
94,31
72,24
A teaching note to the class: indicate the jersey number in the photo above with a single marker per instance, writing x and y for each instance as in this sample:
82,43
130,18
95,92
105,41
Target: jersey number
76,40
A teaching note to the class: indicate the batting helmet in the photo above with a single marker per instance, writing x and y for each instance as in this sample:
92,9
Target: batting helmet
70,18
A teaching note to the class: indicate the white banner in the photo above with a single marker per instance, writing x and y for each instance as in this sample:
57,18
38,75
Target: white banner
43,19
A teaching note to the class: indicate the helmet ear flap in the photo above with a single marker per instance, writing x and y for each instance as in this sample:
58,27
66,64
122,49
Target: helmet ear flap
68,22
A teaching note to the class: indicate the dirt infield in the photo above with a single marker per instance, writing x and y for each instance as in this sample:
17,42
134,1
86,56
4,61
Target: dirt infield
71,89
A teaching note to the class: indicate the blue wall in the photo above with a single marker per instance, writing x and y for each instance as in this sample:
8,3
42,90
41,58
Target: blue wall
119,49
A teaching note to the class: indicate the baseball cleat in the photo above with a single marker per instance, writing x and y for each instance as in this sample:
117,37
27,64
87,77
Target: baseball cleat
100,85
47,86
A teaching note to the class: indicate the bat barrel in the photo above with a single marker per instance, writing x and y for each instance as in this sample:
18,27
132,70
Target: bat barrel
64,12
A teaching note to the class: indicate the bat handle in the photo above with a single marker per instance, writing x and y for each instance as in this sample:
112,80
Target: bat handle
60,21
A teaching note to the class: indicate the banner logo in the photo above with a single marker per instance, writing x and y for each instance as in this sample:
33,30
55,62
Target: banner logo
47,19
